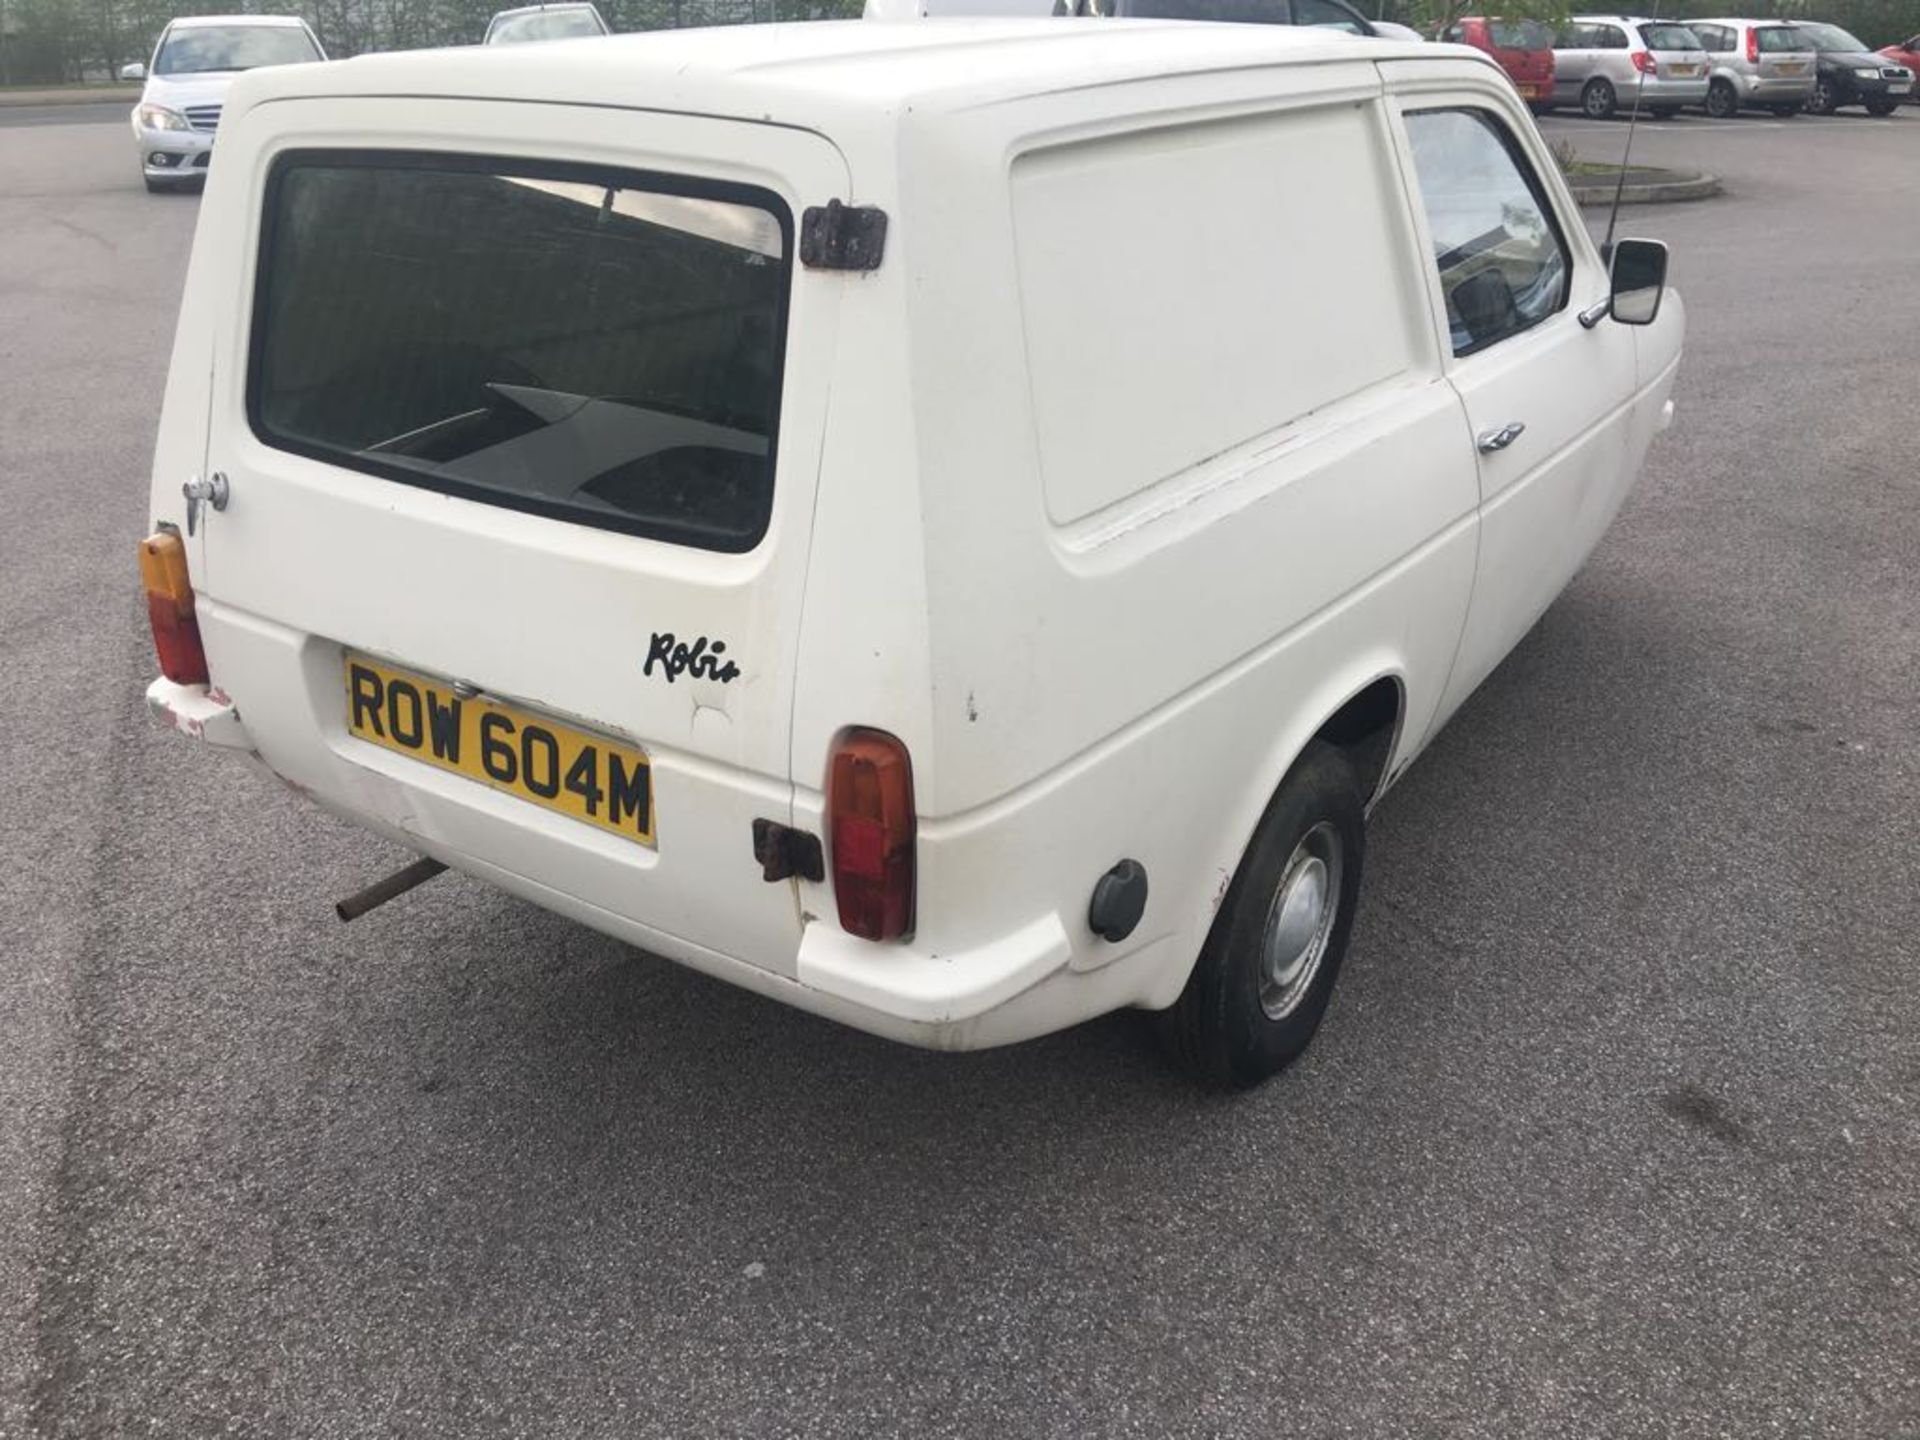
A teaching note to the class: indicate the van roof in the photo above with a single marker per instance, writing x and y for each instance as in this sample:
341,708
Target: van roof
789,73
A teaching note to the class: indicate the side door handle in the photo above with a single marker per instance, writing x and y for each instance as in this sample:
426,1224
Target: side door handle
1491,440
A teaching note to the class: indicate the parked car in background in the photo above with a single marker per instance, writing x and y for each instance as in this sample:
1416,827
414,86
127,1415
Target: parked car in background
193,65
1603,62
1522,48
1763,64
1850,74
1322,14
607,551
1906,53
575,20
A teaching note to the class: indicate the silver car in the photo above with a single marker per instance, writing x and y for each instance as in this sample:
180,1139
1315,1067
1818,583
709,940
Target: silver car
1763,63
1604,62
193,67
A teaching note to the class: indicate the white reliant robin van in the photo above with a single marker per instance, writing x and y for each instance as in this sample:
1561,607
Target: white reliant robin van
948,526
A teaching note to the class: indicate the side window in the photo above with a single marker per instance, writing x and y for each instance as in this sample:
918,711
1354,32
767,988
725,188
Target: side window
1610,37
1503,264
1453,35
1328,15
1575,37
1709,37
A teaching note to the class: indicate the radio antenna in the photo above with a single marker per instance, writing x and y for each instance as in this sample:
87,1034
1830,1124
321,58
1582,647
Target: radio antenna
1633,119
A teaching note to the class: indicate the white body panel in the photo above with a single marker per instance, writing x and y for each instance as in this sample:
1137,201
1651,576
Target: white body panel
1102,533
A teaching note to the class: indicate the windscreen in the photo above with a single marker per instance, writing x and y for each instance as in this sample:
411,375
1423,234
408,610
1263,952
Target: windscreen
1519,35
596,346
1669,37
544,25
206,49
1780,39
1833,40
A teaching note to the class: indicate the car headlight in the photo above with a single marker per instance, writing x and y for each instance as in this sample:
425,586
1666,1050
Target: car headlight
159,117
1867,74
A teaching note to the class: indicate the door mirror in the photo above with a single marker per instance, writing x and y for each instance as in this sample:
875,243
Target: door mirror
1639,280
135,71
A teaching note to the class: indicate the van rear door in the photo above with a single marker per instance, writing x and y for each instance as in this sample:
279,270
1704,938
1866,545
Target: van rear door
526,425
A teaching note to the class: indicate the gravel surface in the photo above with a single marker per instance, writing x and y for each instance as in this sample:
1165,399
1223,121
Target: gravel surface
1614,1129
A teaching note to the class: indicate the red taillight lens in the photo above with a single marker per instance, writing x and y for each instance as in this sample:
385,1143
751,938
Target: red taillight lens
1753,47
870,822
176,633
1643,62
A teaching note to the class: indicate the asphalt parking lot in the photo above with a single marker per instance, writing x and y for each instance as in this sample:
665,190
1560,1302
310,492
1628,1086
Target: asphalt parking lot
1614,1129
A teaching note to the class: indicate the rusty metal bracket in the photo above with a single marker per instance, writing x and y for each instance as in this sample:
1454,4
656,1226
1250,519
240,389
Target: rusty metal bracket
842,237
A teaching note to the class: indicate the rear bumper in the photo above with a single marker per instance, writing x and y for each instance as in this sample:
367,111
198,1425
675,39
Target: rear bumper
1659,91
1755,88
702,896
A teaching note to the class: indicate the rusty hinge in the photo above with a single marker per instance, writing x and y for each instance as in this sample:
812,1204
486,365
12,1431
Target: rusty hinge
785,853
842,237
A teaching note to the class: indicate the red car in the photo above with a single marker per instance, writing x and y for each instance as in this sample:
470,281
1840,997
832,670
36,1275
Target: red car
1906,53
1523,48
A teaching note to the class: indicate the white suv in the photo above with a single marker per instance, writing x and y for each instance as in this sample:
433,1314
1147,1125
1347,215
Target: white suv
193,64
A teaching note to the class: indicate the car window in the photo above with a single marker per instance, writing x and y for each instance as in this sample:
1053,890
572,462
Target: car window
1453,35
1780,40
1833,40
544,25
1245,12
1520,34
587,344
1571,37
1713,37
1609,37
211,49
1326,15
1502,262
1668,37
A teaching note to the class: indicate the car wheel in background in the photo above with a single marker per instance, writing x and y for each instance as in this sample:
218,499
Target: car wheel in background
1821,101
1722,101
1598,101
1882,107
1263,979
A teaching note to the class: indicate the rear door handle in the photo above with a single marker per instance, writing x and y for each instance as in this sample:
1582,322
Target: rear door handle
1491,440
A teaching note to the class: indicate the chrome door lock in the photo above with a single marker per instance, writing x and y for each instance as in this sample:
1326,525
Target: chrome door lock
212,490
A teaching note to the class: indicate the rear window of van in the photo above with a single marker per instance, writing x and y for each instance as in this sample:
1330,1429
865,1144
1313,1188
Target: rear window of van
597,346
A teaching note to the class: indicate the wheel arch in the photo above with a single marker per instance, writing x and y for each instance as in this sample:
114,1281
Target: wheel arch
1362,711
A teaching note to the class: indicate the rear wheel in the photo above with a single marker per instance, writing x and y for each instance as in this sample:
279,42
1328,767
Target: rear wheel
1882,107
1722,101
1598,101
1821,102
1263,979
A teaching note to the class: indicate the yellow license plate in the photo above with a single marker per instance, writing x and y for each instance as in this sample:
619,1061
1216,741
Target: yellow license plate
529,756
1682,69
1792,69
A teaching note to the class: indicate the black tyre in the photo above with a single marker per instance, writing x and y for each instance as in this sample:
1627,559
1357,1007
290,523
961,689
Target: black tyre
1597,101
1882,107
1722,101
1821,102
1263,979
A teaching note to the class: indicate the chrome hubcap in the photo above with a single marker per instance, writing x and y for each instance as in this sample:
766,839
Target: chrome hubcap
1299,920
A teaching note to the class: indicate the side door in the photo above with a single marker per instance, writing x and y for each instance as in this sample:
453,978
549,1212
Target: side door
1548,400
1572,63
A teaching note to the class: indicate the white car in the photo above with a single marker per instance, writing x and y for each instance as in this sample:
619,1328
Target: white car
947,526
193,64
